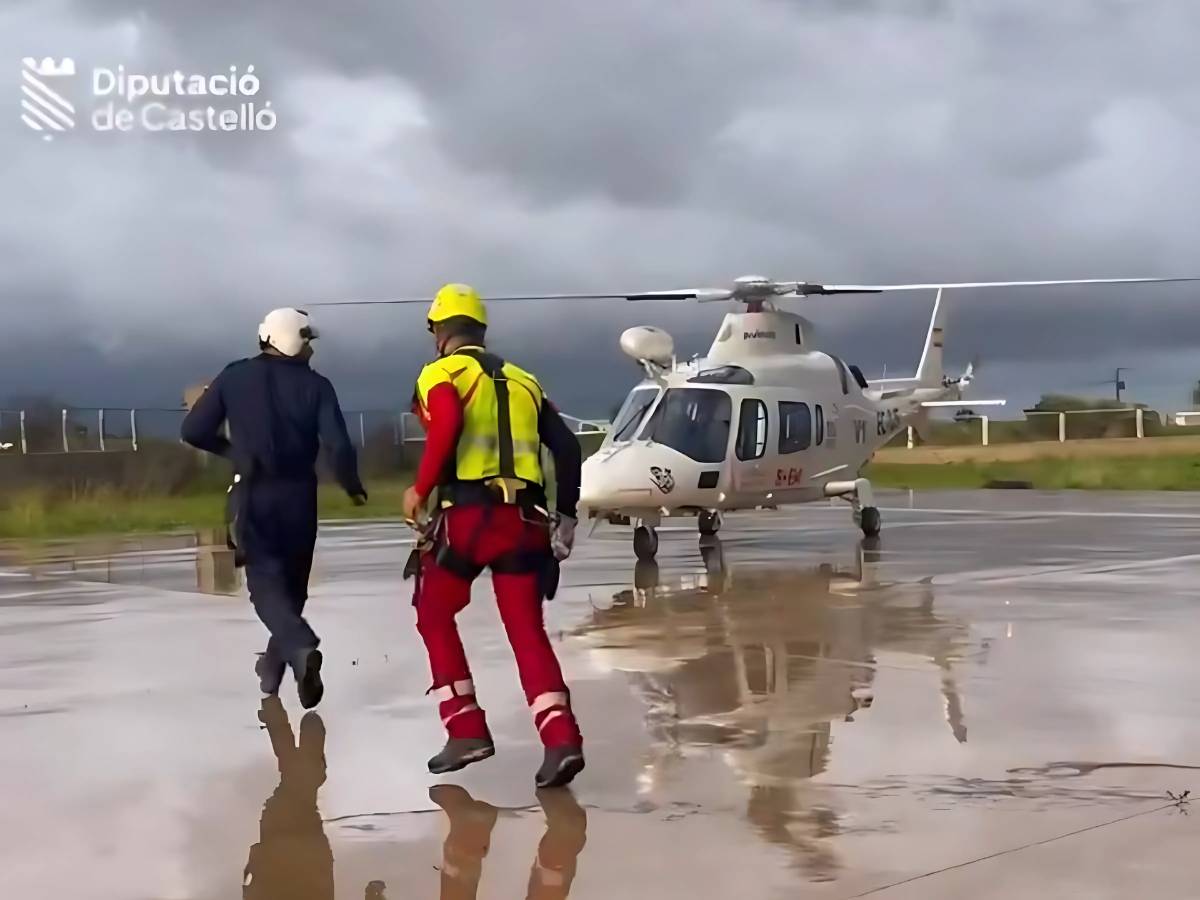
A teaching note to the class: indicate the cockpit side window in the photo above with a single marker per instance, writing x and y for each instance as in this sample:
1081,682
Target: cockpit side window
752,430
632,412
694,421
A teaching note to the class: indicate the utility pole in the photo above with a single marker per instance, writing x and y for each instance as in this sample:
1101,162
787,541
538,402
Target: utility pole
1118,383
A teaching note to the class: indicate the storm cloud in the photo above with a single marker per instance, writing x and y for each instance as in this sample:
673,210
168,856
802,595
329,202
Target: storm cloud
630,145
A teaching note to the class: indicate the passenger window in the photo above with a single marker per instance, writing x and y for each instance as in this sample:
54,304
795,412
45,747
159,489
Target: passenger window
752,430
795,427
820,439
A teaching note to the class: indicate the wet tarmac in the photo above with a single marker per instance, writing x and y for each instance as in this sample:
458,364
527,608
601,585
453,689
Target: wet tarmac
993,702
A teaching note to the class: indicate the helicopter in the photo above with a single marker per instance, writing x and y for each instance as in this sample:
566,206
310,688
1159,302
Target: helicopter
766,418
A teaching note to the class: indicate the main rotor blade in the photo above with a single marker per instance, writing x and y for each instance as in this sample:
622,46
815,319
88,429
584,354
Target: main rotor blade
701,294
877,288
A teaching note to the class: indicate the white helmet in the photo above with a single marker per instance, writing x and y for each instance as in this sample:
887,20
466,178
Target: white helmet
287,330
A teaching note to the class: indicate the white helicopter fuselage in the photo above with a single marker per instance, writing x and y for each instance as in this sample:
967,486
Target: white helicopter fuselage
765,419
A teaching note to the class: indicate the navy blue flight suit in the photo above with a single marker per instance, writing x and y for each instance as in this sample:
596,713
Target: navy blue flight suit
280,412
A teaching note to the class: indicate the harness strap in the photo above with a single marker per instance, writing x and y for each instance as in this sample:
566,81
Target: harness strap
519,562
493,368
461,564
531,498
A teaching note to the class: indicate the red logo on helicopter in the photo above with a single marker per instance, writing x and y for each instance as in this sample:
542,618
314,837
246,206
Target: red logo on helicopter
788,477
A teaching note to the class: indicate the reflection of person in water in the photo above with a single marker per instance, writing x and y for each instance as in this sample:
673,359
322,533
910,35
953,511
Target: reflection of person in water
470,838
292,859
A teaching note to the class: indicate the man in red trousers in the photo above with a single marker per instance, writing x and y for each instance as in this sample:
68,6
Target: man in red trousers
486,421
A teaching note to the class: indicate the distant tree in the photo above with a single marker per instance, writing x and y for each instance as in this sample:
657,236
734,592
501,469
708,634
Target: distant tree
1068,402
1096,425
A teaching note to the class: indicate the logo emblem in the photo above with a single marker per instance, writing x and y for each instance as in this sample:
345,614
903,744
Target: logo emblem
662,478
43,108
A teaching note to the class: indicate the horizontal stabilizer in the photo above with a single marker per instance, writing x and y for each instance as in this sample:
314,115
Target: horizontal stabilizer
963,404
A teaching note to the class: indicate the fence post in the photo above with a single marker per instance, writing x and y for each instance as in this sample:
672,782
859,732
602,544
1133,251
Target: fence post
984,421
910,437
133,429
1062,427
100,418
66,444
21,425
362,430
1141,423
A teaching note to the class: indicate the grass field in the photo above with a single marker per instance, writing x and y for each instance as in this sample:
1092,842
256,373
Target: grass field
40,514
1112,473
1176,446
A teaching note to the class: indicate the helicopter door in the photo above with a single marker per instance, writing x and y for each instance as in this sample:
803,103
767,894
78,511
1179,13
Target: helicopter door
750,472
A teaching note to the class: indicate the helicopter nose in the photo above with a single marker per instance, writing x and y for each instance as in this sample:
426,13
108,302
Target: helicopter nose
610,479
596,486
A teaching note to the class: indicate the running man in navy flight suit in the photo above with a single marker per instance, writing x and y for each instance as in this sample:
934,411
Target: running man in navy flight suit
279,413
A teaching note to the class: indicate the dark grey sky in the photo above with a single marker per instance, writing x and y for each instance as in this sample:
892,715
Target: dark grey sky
630,144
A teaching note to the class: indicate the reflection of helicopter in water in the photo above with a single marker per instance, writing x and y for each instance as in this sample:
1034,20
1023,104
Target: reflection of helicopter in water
758,662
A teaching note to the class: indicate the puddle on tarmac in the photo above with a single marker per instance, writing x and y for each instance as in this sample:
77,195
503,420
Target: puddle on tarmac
805,717
758,663
193,561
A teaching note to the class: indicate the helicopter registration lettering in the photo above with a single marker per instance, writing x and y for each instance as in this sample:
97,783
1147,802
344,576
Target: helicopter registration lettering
788,477
887,421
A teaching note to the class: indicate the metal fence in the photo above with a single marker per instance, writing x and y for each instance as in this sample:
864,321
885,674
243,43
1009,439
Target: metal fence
1059,423
110,430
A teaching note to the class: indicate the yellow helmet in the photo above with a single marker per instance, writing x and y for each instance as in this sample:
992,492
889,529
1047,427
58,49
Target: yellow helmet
453,300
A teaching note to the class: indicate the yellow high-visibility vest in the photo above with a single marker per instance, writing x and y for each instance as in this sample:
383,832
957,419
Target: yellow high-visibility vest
498,440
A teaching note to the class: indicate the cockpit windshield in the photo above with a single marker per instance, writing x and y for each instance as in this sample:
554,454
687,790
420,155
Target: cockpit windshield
694,421
636,405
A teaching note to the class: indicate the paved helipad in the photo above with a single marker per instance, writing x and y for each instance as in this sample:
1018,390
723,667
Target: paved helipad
1004,689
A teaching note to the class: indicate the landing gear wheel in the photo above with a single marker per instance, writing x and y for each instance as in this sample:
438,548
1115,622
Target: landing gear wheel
645,542
870,521
710,522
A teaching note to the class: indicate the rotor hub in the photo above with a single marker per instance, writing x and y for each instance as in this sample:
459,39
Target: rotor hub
753,287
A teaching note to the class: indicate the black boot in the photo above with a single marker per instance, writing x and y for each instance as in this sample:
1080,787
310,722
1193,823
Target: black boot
560,766
270,672
307,668
460,753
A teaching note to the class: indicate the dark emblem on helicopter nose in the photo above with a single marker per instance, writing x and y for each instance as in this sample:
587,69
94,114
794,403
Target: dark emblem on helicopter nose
662,478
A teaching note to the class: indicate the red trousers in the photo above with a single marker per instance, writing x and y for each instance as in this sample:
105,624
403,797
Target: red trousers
485,535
